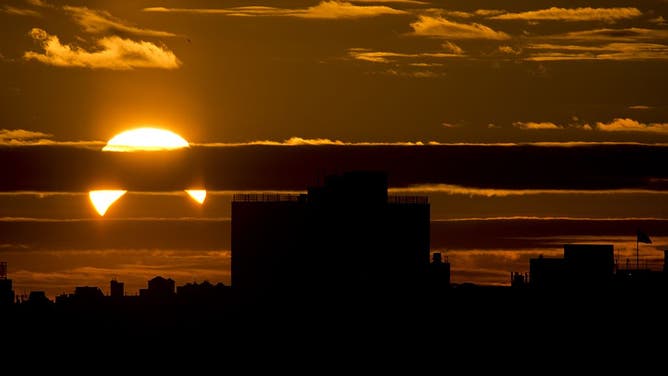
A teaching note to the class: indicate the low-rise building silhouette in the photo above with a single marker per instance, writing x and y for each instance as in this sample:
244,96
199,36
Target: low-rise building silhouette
583,266
158,288
347,235
38,298
88,294
6,288
439,272
203,292
116,289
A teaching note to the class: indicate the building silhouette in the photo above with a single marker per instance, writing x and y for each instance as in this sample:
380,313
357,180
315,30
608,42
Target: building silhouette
203,292
438,272
6,288
116,289
345,236
583,266
158,288
38,299
88,294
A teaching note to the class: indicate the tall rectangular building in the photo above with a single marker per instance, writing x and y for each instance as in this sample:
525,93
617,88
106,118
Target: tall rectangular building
347,236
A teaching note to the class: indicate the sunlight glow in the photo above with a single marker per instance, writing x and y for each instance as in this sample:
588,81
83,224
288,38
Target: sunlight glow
198,195
146,139
140,139
103,199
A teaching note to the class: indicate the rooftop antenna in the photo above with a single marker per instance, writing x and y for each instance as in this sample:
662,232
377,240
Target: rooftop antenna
3,269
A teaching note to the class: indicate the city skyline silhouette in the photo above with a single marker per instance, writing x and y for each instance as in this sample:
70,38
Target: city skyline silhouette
479,174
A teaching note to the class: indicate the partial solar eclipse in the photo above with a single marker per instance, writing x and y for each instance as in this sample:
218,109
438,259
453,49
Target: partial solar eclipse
146,139
140,139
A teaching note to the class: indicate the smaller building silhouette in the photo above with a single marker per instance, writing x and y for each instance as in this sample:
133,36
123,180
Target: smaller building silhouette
88,294
6,288
38,298
438,272
583,266
116,289
203,292
519,280
158,288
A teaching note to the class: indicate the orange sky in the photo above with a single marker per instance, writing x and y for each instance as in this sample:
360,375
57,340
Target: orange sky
475,71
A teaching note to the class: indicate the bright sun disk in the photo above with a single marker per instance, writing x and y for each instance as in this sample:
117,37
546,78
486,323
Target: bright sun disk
146,139
140,139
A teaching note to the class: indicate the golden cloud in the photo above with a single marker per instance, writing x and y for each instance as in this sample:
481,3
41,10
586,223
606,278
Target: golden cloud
101,21
323,10
388,57
20,11
631,34
113,53
611,51
630,125
509,50
411,2
20,136
451,189
452,48
536,125
573,14
440,27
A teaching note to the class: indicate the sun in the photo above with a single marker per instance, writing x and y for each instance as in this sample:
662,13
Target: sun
102,199
140,139
146,139
199,195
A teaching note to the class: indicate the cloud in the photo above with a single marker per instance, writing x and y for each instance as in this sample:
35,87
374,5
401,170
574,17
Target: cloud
573,14
299,141
495,192
488,12
340,9
389,57
113,53
640,107
611,51
413,73
100,21
452,48
412,2
549,126
443,28
20,136
323,10
536,125
20,11
631,34
616,125
39,3
509,50
630,125
661,21
23,137
463,14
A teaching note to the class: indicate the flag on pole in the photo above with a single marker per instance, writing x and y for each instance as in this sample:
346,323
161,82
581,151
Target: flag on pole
643,238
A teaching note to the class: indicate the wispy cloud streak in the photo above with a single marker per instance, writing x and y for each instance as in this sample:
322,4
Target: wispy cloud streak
323,10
